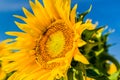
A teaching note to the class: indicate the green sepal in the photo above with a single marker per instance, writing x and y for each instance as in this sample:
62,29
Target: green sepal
105,37
87,34
82,15
77,71
80,71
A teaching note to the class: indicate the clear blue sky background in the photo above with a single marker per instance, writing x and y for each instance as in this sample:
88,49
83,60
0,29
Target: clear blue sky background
106,12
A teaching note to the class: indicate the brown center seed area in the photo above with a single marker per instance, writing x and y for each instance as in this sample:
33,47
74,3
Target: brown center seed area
56,42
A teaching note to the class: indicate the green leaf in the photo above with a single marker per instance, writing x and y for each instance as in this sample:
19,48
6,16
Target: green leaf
102,78
79,71
70,74
114,76
76,71
78,75
91,73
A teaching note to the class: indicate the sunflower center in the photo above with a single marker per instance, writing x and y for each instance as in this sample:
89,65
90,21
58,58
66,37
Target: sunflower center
55,43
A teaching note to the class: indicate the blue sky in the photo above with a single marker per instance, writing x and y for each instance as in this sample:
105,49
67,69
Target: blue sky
106,12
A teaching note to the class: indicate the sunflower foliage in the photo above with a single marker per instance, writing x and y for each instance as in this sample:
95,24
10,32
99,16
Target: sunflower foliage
96,51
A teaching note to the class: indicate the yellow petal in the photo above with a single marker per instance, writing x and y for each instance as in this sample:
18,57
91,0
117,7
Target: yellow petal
63,8
73,14
2,74
90,24
80,42
20,17
27,13
112,69
31,30
81,27
50,7
15,33
40,13
67,7
79,57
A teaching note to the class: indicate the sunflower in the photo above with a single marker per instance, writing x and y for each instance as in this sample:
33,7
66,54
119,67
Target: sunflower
48,42
2,73
3,50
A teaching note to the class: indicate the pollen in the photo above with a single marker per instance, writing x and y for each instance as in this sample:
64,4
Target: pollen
55,43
